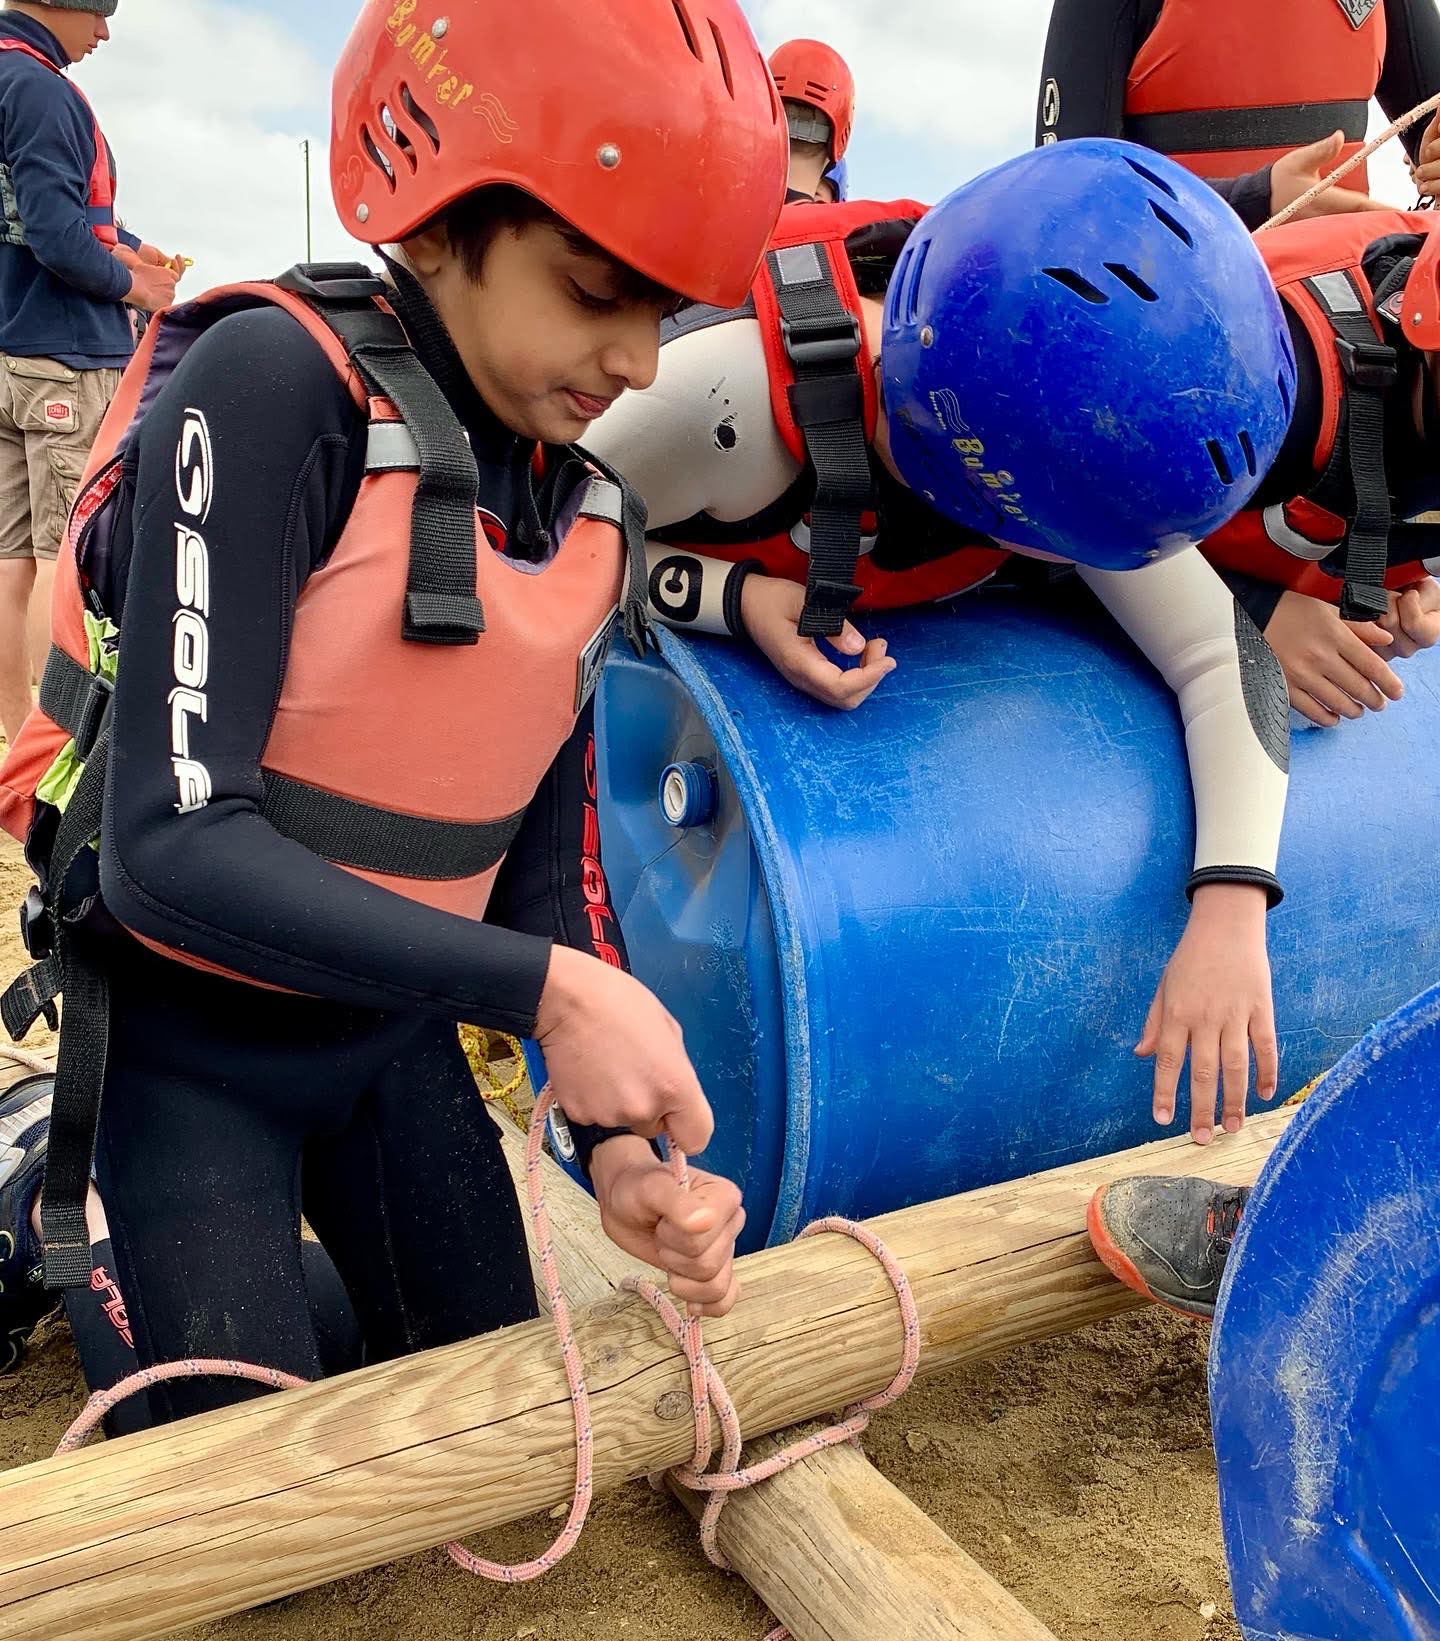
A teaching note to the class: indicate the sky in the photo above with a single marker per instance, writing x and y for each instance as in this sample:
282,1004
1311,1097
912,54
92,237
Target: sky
207,102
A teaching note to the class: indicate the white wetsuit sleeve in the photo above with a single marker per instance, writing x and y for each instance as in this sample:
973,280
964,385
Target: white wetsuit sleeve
693,593
1233,703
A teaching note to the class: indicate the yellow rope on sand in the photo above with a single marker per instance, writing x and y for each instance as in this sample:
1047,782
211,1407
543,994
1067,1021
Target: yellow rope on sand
1343,170
477,1041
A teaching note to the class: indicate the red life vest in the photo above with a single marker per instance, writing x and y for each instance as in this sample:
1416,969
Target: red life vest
334,772
1291,71
824,399
1308,543
101,203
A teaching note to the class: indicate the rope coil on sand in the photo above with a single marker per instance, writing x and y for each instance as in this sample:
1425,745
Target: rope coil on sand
706,1386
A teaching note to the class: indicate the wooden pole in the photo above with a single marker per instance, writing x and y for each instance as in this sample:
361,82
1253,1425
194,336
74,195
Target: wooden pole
833,1548
838,1553
206,1517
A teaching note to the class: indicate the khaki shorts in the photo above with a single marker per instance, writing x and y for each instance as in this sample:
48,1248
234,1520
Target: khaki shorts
49,416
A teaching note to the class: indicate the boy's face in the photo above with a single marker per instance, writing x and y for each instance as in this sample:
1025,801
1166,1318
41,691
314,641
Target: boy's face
551,336
79,32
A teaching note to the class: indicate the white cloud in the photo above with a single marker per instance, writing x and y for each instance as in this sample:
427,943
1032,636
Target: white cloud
190,94
206,104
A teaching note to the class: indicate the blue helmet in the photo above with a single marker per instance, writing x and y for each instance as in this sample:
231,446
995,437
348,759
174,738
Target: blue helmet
1083,353
838,176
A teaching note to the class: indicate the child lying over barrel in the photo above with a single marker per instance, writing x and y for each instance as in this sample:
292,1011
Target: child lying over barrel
1079,352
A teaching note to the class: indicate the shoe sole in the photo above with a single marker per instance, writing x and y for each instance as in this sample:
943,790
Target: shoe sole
1123,1268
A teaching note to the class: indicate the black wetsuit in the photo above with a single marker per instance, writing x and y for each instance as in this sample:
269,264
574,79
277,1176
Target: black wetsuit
1093,43
230,1108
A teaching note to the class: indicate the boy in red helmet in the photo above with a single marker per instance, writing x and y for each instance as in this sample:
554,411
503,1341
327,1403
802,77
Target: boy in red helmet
818,91
365,583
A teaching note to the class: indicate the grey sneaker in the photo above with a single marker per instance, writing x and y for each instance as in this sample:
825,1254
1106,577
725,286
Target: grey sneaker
24,1135
1167,1238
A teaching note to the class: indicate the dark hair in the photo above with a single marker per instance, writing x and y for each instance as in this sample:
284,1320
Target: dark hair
472,223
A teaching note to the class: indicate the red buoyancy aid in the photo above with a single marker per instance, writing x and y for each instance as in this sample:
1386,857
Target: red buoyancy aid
1290,71
100,206
334,773
1304,543
825,402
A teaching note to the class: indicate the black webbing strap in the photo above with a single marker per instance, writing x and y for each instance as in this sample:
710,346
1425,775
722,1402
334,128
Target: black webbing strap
1355,472
1228,130
84,1043
74,697
632,521
373,839
822,342
441,606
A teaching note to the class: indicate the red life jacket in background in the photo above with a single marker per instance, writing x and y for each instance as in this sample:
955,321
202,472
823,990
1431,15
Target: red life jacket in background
100,207
1338,541
1290,72
824,399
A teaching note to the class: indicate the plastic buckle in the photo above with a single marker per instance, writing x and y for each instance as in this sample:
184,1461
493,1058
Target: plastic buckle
36,929
828,341
92,714
332,281
1367,364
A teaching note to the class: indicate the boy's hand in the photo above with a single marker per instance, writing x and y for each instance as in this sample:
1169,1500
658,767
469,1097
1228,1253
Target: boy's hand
1425,172
1330,665
1413,619
770,608
690,1235
615,1054
1214,999
1293,173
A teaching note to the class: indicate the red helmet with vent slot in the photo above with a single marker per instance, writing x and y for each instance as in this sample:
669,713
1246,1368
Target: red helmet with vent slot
652,126
809,71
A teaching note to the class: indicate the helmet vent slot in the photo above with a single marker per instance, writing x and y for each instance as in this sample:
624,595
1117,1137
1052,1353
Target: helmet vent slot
1132,281
420,117
1078,283
776,112
1174,224
1217,456
1284,387
380,160
1247,445
682,17
821,93
1150,176
724,59
910,288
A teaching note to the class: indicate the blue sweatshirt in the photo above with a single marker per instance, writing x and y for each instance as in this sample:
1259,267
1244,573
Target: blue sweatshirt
60,288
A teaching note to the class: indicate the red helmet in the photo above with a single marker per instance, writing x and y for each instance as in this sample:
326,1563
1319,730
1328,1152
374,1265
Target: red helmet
809,71
652,126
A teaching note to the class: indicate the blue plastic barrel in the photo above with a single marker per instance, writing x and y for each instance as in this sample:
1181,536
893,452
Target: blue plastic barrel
1325,1358
913,946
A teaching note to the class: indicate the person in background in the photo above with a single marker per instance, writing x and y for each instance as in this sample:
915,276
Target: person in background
818,91
1259,100
67,272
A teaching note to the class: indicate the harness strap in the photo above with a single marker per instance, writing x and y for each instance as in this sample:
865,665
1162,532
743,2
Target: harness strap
1356,468
1232,130
84,1041
441,606
822,342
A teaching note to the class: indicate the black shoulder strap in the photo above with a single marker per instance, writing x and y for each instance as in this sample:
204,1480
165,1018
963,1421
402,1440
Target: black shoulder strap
1356,468
441,606
822,342
632,527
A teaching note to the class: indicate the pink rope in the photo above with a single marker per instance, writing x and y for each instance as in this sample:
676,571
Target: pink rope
707,1389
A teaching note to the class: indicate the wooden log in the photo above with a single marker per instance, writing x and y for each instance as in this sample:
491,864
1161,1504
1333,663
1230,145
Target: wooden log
189,1522
833,1548
838,1553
